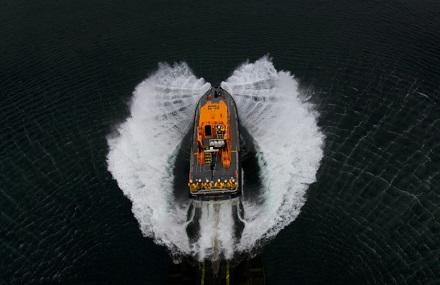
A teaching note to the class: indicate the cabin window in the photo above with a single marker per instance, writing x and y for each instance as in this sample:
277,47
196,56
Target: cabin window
208,130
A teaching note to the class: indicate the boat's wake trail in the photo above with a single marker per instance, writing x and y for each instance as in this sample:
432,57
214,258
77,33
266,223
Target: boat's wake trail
143,151
288,143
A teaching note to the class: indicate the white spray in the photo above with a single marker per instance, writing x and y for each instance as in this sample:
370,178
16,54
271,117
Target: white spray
288,141
142,156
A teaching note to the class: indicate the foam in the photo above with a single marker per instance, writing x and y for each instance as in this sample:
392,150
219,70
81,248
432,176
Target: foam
143,151
289,145
142,155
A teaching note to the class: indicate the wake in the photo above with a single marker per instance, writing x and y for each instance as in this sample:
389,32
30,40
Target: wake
288,141
143,151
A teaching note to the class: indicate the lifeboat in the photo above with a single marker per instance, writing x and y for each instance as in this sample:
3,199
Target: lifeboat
215,171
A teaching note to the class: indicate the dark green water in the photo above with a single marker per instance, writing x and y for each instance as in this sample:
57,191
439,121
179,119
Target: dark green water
67,69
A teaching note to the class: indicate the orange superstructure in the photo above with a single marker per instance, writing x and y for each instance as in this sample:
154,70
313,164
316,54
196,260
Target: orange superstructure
215,162
214,128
